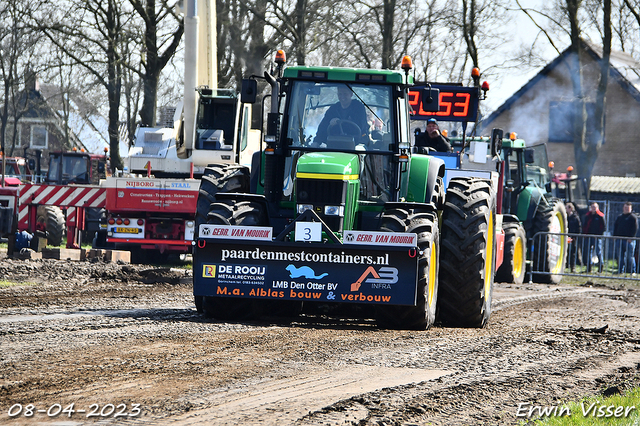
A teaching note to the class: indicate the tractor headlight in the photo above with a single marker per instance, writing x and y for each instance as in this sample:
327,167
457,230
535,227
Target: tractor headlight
304,207
333,210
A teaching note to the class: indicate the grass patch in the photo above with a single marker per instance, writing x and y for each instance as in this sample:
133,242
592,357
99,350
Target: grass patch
595,411
5,284
176,261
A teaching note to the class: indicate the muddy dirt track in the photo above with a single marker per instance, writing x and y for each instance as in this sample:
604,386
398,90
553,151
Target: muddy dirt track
125,345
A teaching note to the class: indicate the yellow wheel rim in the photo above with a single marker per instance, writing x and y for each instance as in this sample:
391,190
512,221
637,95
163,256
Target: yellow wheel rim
559,228
488,264
432,275
518,257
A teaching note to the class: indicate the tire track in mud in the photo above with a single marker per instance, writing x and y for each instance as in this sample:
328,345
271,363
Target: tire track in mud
285,401
511,298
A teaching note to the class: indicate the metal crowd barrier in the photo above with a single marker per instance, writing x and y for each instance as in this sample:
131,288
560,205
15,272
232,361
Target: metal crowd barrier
587,255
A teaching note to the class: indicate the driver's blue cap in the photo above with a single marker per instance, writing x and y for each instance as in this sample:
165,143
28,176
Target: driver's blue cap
432,120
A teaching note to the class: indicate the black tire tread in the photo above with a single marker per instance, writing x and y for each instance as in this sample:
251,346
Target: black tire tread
54,222
220,178
468,206
542,223
425,225
506,274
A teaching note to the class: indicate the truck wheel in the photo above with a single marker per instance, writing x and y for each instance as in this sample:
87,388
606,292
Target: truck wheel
549,253
92,223
232,212
219,178
514,264
100,241
468,253
52,220
425,225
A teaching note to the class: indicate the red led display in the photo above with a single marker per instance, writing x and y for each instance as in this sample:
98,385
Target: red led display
457,103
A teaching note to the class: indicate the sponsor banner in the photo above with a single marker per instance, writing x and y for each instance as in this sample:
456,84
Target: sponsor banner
233,232
306,272
380,238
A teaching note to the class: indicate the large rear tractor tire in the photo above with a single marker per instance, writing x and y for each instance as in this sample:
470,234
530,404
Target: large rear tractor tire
52,220
218,178
468,253
437,197
549,252
241,213
514,263
425,225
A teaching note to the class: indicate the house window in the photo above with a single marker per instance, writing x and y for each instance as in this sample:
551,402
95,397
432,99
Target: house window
561,120
39,137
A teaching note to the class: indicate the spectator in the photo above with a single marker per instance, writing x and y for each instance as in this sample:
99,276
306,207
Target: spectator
626,225
377,133
574,227
433,138
594,224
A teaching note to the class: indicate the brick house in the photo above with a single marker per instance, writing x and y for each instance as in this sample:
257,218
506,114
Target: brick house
539,112
42,126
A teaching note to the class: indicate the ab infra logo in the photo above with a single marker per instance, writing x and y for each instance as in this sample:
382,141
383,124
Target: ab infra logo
209,271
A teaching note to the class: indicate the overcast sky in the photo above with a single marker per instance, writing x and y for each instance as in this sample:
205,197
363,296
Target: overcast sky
523,32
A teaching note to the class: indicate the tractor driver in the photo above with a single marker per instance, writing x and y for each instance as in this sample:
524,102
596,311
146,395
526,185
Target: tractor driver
432,138
346,109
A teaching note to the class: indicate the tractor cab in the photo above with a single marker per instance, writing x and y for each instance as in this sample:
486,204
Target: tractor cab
16,167
326,118
76,168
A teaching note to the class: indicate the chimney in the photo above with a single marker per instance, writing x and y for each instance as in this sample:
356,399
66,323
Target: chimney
31,81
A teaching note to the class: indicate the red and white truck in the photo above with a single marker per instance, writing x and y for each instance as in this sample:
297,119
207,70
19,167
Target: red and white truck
146,215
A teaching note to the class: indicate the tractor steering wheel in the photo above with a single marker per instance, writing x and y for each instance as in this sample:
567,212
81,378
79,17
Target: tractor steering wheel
344,128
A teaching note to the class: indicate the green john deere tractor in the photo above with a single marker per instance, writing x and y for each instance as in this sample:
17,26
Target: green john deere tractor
530,208
337,212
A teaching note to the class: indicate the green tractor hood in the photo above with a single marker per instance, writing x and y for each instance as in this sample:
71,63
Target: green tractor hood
329,182
328,165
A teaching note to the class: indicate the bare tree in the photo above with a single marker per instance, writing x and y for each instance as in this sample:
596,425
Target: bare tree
481,23
62,97
132,85
92,34
378,33
571,14
242,47
586,147
19,56
633,8
163,29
